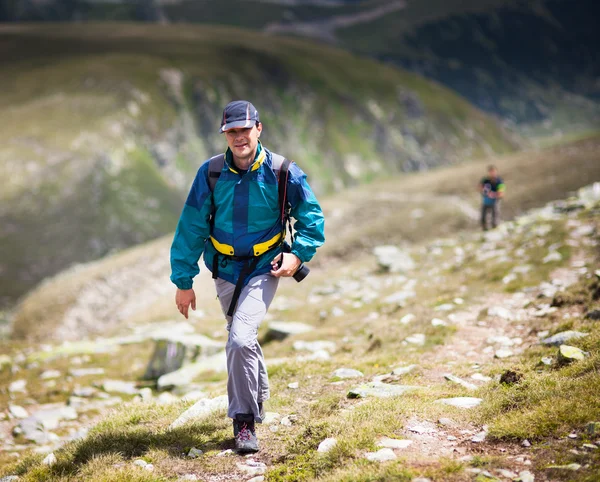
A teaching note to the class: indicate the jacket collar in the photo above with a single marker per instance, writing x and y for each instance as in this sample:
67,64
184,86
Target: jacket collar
259,158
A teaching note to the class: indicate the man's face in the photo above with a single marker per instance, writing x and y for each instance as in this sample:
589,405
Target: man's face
243,142
493,173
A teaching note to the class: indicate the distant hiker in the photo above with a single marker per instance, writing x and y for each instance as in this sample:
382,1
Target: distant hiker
492,191
236,214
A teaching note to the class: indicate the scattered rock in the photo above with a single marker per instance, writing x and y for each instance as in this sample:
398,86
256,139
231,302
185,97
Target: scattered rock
416,339
345,373
399,297
562,337
409,318
461,402
120,386
593,315
9,478
271,417
547,360
314,346
194,453
525,476
252,468
18,386
382,455
200,410
17,411
326,445
552,256
258,478
280,330
186,374
187,477
86,372
84,392
481,378
293,385
500,312
50,459
573,467
225,453
590,446
438,322
421,479
525,443
446,422
510,377
392,259
379,390
507,474
289,420
49,374
392,443
140,463
460,381
480,437
398,371
568,354
503,353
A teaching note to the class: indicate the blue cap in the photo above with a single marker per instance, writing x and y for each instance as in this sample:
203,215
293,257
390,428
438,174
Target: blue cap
238,114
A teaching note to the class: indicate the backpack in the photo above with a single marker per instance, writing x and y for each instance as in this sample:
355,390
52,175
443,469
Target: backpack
280,166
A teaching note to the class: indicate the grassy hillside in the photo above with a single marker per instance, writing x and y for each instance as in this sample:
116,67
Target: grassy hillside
106,125
133,287
472,324
533,63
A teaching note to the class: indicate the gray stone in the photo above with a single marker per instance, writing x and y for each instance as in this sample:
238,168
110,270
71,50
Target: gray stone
393,259
500,312
421,479
526,443
525,476
568,354
293,385
461,402
507,474
187,477
416,339
200,410
480,437
194,453
252,470
86,372
9,478
84,392
503,353
392,443
140,463
382,455
460,381
120,386
225,453
590,446
481,378
186,374
552,256
380,390
347,373
50,459
562,337
50,416
314,346
279,330
408,318
32,430
446,422
258,478
326,445
18,386
398,371
49,374
572,467
17,411
547,360
271,417
399,297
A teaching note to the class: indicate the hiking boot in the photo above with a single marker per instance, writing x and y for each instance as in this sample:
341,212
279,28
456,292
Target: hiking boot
244,433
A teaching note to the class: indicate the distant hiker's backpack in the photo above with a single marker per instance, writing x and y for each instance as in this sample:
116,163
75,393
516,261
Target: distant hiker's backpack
280,166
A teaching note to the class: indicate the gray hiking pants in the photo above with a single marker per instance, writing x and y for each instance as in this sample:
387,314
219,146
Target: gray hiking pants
495,210
247,381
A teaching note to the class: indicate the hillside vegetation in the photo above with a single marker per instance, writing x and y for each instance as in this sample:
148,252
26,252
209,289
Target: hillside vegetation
132,287
531,62
453,372
104,127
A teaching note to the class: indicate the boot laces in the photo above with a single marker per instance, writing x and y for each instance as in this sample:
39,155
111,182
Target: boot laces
245,433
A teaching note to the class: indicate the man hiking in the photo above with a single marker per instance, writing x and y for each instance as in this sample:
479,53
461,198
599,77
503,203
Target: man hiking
492,191
236,215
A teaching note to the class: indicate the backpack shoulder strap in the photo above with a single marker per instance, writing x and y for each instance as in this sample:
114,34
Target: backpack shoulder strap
215,166
281,167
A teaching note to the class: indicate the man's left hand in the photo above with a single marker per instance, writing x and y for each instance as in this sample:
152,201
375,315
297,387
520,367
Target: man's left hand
289,266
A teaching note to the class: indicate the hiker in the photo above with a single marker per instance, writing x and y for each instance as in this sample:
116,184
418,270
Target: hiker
236,215
492,191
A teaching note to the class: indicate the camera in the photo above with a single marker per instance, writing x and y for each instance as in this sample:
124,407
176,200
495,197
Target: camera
302,271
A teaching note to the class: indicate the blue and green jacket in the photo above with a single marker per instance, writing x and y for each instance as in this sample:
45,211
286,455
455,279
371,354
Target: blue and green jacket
246,218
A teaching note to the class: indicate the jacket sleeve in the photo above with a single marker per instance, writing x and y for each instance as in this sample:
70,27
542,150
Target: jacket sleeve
192,231
309,226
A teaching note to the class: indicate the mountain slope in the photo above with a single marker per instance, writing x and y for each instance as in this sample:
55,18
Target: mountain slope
532,62
105,126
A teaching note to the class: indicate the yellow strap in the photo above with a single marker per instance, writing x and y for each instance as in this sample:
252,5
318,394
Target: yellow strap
221,247
262,248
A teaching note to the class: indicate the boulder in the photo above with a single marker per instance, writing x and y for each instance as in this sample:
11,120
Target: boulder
280,330
392,259
326,445
380,390
201,409
562,337
186,374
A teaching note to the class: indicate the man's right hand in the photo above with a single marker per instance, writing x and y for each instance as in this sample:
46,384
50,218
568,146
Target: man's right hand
183,299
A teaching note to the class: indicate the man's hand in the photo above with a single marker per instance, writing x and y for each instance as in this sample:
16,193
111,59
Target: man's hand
289,266
183,299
